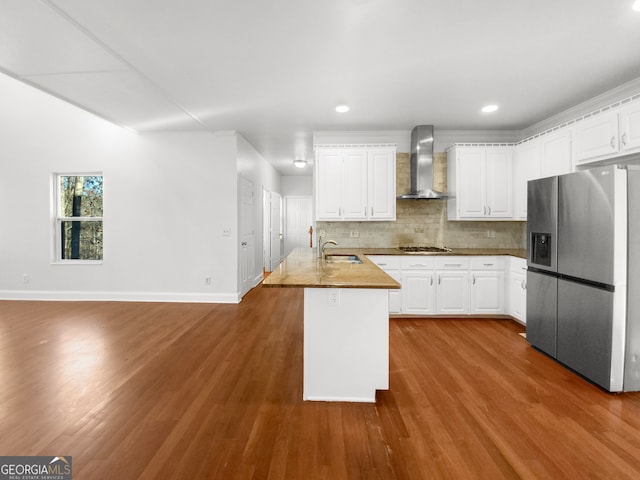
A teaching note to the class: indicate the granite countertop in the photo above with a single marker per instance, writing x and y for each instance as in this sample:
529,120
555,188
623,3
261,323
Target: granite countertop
302,268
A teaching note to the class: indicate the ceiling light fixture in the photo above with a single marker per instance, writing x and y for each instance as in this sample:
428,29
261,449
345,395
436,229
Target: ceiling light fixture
489,108
342,108
300,163
636,6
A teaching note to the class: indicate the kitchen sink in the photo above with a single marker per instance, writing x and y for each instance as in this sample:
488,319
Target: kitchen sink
337,258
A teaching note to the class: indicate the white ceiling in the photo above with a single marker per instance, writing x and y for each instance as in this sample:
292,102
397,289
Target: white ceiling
274,70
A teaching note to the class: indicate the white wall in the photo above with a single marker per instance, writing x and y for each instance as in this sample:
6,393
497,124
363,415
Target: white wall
167,198
254,167
297,185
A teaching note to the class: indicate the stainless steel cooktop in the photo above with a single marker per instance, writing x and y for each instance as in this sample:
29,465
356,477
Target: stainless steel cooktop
413,249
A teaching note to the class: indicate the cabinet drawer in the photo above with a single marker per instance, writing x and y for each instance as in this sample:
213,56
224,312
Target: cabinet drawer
417,262
386,262
452,263
487,263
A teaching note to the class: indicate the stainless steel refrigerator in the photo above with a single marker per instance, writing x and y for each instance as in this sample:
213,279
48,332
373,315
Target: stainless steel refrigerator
583,277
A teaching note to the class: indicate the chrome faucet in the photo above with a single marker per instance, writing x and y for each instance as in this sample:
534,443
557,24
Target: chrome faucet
332,242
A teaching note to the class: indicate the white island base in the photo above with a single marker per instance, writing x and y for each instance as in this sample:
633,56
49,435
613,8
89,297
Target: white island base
346,344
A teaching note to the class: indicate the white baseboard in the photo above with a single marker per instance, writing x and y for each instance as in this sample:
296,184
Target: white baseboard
120,296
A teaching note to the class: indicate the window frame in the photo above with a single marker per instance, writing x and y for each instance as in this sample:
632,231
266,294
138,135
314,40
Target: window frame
58,218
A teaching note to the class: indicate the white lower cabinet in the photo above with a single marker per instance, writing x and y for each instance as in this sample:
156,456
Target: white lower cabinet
487,292
391,264
418,292
487,285
518,289
452,286
452,295
455,285
418,285
395,296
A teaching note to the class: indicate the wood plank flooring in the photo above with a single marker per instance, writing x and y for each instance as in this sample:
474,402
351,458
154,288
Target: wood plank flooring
198,391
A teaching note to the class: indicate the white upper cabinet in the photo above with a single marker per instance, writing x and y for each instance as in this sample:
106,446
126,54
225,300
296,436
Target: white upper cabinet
480,180
355,184
526,166
607,135
328,176
555,154
595,138
499,182
629,128
382,184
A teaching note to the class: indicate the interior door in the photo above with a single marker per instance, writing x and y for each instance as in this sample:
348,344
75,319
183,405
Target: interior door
298,218
247,236
275,230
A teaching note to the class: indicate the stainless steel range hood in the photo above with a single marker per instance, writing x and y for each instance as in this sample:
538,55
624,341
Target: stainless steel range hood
422,166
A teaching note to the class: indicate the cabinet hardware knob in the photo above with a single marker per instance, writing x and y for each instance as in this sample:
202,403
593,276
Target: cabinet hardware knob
473,277
613,142
431,278
372,211
624,139
438,279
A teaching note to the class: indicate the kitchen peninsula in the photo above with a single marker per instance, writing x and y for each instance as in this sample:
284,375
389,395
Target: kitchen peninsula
346,323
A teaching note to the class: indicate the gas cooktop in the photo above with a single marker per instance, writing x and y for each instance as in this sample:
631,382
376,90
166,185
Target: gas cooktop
425,249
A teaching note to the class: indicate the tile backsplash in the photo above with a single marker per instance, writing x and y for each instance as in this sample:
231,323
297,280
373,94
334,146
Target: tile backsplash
424,222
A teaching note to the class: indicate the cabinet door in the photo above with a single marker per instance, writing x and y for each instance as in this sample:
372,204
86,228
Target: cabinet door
555,156
526,166
354,186
499,180
395,296
487,292
418,292
452,292
630,128
471,182
595,138
382,185
328,172
517,296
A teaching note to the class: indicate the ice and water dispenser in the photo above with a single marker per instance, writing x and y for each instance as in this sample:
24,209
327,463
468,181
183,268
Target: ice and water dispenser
541,249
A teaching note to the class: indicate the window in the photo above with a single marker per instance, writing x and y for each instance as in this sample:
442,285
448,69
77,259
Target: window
78,218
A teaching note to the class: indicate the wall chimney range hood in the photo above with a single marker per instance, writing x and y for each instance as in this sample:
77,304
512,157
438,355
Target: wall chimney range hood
421,164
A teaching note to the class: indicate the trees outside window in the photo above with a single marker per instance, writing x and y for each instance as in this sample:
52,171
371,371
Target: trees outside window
79,217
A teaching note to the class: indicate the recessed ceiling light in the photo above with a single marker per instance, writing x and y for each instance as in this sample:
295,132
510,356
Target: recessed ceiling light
342,108
489,108
636,6
300,163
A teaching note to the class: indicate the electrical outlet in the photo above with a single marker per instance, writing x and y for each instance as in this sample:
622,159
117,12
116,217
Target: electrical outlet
25,278
354,233
334,297
321,233
207,280
226,232
491,234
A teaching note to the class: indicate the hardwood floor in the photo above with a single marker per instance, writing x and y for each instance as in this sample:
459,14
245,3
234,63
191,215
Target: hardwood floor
177,391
